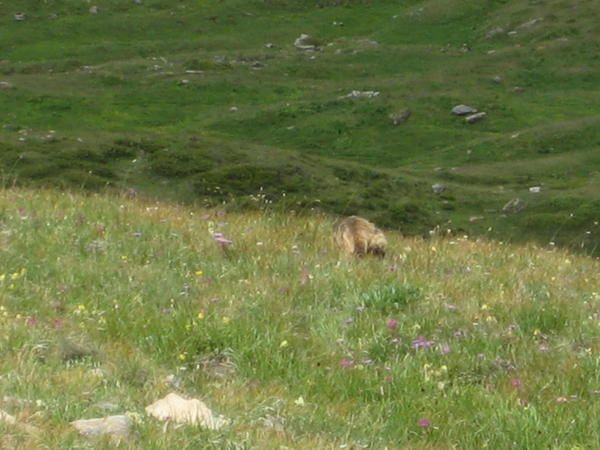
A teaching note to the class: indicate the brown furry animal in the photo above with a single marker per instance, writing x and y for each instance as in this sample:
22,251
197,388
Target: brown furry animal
357,236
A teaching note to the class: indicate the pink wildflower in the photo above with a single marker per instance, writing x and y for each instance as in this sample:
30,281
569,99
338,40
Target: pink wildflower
424,422
392,324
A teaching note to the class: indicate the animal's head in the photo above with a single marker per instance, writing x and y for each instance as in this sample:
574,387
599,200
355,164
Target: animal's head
378,244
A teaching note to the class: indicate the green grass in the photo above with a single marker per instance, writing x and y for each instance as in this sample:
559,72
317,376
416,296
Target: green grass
140,290
111,87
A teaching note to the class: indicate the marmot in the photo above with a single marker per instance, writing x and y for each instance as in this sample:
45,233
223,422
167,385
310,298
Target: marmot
357,236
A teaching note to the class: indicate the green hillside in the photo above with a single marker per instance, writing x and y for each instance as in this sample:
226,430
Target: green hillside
107,304
210,102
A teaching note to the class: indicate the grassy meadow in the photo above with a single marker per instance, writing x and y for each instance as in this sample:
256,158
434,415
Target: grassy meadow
108,303
209,101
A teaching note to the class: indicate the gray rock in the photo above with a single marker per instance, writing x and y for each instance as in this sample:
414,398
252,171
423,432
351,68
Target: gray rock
400,117
494,32
475,117
115,426
514,206
497,79
94,9
5,85
518,90
530,23
512,33
438,188
361,94
20,17
463,110
306,42
535,189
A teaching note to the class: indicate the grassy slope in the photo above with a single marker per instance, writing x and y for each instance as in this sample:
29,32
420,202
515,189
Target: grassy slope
110,85
102,282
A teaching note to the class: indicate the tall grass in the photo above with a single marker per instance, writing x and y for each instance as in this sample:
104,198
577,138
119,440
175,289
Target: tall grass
449,342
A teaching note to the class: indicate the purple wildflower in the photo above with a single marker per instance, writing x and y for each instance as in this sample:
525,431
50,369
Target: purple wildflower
392,324
424,422
445,349
346,363
420,342
221,239
516,383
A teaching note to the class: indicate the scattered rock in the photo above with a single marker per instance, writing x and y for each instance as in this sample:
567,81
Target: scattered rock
5,85
269,45
438,188
514,206
20,17
137,2
173,381
361,94
475,218
518,90
463,110
535,189
401,117
494,32
475,117
180,410
337,24
512,33
116,426
306,42
94,9
257,65
234,109
529,23
497,79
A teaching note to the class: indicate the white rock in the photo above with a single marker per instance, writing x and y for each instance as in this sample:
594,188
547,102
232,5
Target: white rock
463,110
438,188
5,85
362,94
93,9
475,117
20,17
115,426
180,410
305,42
535,189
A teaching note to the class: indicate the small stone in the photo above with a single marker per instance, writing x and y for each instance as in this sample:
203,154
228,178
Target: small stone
530,23
512,33
463,110
361,94
5,85
494,32
518,90
94,9
177,409
535,189
497,79
475,117
234,109
20,17
269,45
137,2
115,426
306,42
514,206
438,188
400,117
